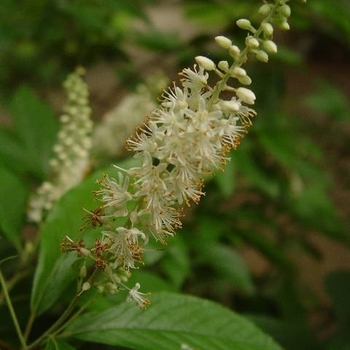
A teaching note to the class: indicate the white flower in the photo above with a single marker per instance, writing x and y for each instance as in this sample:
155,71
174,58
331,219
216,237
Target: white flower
124,245
71,159
114,193
140,298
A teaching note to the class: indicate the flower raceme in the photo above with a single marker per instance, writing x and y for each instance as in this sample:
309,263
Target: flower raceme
183,140
71,152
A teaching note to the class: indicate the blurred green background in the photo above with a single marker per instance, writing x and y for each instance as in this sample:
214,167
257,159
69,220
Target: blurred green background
271,237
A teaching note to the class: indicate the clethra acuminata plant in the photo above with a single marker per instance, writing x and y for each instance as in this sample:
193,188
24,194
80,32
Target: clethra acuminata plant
186,138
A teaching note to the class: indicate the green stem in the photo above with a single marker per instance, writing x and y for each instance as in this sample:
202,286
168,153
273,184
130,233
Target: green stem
12,311
56,325
241,59
64,319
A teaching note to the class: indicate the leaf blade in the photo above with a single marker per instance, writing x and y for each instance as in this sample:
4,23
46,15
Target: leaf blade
171,321
36,127
12,208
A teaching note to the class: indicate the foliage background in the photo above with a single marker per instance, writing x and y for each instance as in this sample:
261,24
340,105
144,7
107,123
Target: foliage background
271,238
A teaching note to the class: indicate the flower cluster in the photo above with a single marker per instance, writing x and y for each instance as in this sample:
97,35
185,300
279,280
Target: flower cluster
187,137
71,152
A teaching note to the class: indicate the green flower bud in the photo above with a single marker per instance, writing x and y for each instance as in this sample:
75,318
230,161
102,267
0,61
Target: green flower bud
267,28
246,80
234,51
262,56
238,72
270,46
265,9
284,25
285,10
83,271
252,42
244,24
223,65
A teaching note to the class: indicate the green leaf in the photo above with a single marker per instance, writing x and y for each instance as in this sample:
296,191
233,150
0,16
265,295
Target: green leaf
36,127
226,262
256,175
315,209
58,344
159,41
54,272
171,322
12,154
150,283
291,335
266,247
12,206
329,99
213,13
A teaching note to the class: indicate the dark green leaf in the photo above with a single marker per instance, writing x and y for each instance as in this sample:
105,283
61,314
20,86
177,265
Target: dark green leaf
12,206
226,262
266,247
36,127
12,154
315,209
158,41
289,335
330,100
171,322
54,271
150,283
255,174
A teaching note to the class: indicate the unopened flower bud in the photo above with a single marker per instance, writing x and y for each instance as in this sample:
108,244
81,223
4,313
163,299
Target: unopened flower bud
262,56
267,28
246,80
252,42
245,24
205,63
234,51
265,9
238,72
270,46
223,65
284,25
86,286
83,271
285,10
224,42
246,95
